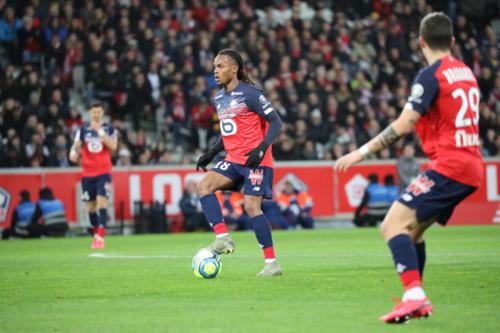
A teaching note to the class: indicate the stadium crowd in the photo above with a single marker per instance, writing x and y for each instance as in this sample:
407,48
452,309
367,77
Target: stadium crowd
337,71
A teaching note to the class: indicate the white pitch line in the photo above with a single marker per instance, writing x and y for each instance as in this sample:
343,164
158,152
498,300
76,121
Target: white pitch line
121,256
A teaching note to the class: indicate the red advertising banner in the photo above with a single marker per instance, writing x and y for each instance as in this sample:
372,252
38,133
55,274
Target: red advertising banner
151,183
332,192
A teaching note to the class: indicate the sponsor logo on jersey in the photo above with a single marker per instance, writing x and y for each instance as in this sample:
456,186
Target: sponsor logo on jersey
406,197
226,115
236,93
5,198
420,185
464,139
256,176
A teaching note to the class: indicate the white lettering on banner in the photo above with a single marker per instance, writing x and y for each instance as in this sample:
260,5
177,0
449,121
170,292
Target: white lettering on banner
492,183
174,180
355,189
194,177
134,185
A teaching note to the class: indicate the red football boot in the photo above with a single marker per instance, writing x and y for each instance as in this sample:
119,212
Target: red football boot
97,242
405,310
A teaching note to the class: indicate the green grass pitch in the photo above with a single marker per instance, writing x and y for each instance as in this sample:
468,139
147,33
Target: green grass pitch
334,281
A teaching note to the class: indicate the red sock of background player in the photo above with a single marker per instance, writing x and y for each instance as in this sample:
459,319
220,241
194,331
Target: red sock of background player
102,221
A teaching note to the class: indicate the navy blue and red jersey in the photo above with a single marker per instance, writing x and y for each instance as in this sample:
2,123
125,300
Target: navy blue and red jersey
447,95
96,156
241,113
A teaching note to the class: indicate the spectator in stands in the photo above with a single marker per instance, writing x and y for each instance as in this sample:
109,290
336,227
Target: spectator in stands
49,215
21,224
148,59
9,25
190,206
375,200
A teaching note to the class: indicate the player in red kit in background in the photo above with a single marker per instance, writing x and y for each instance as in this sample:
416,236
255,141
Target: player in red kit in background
95,142
444,109
248,125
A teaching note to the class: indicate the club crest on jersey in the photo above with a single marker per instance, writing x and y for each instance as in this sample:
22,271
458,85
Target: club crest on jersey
256,176
420,185
95,146
5,198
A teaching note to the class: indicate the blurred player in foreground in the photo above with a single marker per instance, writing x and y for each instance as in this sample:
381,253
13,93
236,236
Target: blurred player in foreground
444,109
248,125
95,142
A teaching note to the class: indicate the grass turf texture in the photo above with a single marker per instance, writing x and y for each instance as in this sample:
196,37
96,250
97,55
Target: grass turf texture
335,281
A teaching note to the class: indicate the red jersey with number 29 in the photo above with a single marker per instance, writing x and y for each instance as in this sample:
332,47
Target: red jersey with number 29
447,95
243,127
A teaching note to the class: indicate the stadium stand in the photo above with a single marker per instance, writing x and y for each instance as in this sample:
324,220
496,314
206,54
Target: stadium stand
337,71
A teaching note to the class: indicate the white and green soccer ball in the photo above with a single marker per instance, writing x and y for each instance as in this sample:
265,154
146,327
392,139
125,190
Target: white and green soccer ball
206,264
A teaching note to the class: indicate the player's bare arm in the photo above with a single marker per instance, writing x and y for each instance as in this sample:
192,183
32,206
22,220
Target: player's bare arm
75,151
392,133
111,143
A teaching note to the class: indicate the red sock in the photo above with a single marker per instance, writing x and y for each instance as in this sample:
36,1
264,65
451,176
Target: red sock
220,228
411,279
101,231
269,253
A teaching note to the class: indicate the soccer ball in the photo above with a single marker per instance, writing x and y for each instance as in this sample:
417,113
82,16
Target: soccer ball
206,264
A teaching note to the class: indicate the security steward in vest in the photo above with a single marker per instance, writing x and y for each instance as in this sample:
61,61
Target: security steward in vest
50,215
375,199
20,226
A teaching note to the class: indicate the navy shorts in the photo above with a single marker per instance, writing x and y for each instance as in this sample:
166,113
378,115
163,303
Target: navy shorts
94,186
258,181
433,195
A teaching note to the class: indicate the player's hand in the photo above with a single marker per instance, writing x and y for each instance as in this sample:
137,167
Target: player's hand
345,162
73,156
96,126
256,155
204,160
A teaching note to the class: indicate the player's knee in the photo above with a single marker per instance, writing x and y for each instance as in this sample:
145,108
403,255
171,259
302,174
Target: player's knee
91,207
385,229
252,208
101,202
204,188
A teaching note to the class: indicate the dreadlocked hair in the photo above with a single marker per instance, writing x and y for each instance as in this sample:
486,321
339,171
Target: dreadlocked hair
237,58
